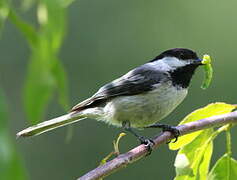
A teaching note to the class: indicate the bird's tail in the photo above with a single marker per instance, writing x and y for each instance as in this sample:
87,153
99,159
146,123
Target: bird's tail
51,124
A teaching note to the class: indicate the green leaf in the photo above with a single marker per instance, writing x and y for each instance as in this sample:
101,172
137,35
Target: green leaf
40,82
26,29
66,3
192,160
3,112
52,18
10,163
207,111
27,4
46,74
4,11
62,84
224,169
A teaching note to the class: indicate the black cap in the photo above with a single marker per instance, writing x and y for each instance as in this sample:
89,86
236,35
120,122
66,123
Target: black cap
180,53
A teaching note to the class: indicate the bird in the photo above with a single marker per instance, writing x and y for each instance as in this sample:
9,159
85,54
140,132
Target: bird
138,99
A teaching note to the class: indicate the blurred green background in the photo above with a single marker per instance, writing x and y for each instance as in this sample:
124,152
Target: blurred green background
103,40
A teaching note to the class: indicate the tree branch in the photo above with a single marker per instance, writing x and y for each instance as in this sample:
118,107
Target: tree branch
140,151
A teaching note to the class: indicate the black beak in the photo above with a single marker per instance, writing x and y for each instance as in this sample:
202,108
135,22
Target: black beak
198,62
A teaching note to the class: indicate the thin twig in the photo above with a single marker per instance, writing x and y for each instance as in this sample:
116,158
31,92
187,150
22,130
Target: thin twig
140,151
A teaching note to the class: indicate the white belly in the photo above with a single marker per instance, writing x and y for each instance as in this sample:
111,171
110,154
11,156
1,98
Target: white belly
144,109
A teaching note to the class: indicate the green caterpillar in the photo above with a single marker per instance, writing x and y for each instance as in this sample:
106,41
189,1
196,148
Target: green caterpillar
208,71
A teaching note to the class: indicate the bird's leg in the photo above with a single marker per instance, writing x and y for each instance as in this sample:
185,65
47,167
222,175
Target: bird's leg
146,141
166,127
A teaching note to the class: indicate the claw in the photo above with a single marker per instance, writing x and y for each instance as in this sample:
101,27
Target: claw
174,131
169,128
148,144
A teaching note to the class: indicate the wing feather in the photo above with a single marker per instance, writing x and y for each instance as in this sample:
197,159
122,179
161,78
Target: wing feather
137,81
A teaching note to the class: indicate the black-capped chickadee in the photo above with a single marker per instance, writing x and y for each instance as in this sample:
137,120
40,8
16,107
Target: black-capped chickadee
138,99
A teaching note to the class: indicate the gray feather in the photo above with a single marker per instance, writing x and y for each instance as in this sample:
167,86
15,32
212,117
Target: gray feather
137,81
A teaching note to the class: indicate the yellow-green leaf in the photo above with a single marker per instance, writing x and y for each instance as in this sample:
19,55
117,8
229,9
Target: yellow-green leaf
207,111
205,162
192,161
182,165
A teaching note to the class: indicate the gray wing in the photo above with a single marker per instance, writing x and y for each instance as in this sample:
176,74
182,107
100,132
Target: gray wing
137,81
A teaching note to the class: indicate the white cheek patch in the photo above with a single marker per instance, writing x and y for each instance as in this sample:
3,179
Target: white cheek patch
169,63
174,62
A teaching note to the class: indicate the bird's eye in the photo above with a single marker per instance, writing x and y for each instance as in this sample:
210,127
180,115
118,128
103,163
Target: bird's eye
181,56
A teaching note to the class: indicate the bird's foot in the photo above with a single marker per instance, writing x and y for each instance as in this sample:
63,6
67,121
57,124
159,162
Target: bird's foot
148,143
175,132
